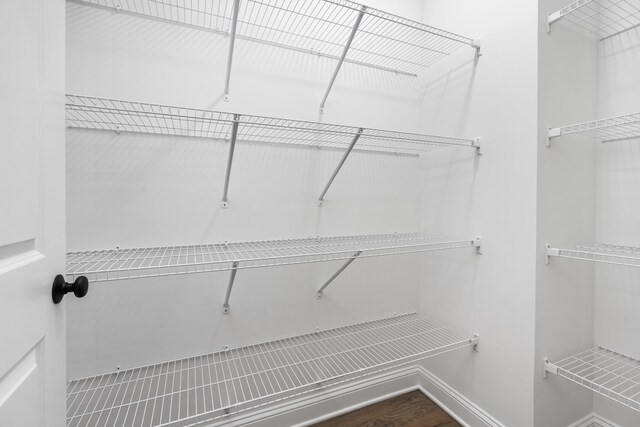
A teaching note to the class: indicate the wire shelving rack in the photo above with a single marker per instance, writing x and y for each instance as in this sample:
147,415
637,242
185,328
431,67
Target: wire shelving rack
605,130
338,29
108,265
129,116
601,18
606,372
204,388
322,28
602,253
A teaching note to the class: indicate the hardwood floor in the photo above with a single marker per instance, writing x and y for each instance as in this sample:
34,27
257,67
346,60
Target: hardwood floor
408,410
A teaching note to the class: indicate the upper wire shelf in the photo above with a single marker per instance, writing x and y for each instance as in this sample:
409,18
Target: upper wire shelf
383,40
606,372
201,389
603,253
601,18
106,265
605,130
128,116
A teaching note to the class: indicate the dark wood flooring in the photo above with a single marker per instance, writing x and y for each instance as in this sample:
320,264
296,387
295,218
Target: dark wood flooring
408,410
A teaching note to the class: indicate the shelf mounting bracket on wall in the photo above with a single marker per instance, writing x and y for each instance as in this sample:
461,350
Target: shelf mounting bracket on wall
232,42
354,30
337,273
550,252
335,172
548,367
232,148
232,278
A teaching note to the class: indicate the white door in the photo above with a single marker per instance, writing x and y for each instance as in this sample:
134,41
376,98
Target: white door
32,213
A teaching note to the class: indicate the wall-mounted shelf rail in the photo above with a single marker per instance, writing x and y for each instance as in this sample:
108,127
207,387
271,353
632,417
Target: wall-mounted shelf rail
203,388
107,265
605,130
602,253
338,29
608,373
601,18
128,116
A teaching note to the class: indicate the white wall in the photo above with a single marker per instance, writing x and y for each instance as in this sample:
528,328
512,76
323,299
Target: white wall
566,205
493,293
617,296
135,190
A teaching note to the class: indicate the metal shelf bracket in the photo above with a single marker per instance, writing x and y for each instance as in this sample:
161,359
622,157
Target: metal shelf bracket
477,46
552,133
551,252
548,367
232,147
337,273
475,341
476,143
354,30
335,172
225,307
477,243
232,41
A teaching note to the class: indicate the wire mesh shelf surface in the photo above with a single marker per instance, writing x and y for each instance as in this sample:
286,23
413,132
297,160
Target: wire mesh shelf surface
127,116
106,265
602,253
602,18
605,130
606,372
203,388
384,41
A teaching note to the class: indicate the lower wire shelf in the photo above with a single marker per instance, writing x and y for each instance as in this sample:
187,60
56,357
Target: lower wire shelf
204,388
606,372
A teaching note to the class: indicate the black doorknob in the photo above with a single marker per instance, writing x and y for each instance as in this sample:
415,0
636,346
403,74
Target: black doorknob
60,288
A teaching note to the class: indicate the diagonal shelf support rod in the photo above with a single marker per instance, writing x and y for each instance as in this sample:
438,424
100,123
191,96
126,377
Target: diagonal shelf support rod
335,172
232,148
354,30
337,273
232,278
232,42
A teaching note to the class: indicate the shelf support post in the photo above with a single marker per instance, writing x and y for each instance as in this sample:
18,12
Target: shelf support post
337,273
232,278
232,148
335,172
354,30
232,41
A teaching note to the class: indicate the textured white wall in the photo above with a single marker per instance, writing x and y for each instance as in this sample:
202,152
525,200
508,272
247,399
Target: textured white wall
617,299
137,190
493,294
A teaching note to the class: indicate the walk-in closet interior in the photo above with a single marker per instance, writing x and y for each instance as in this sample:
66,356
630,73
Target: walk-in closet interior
280,211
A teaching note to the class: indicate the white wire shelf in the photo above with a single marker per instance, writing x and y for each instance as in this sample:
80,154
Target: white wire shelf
128,116
601,253
600,18
107,265
322,28
204,388
605,130
606,372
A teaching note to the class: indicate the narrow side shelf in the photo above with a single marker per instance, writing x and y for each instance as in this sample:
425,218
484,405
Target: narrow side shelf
203,388
602,253
106,265
605,130
130,116
606,372
601,18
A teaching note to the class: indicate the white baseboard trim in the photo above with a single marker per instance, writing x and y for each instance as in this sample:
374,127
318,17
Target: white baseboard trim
593,420
322,405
